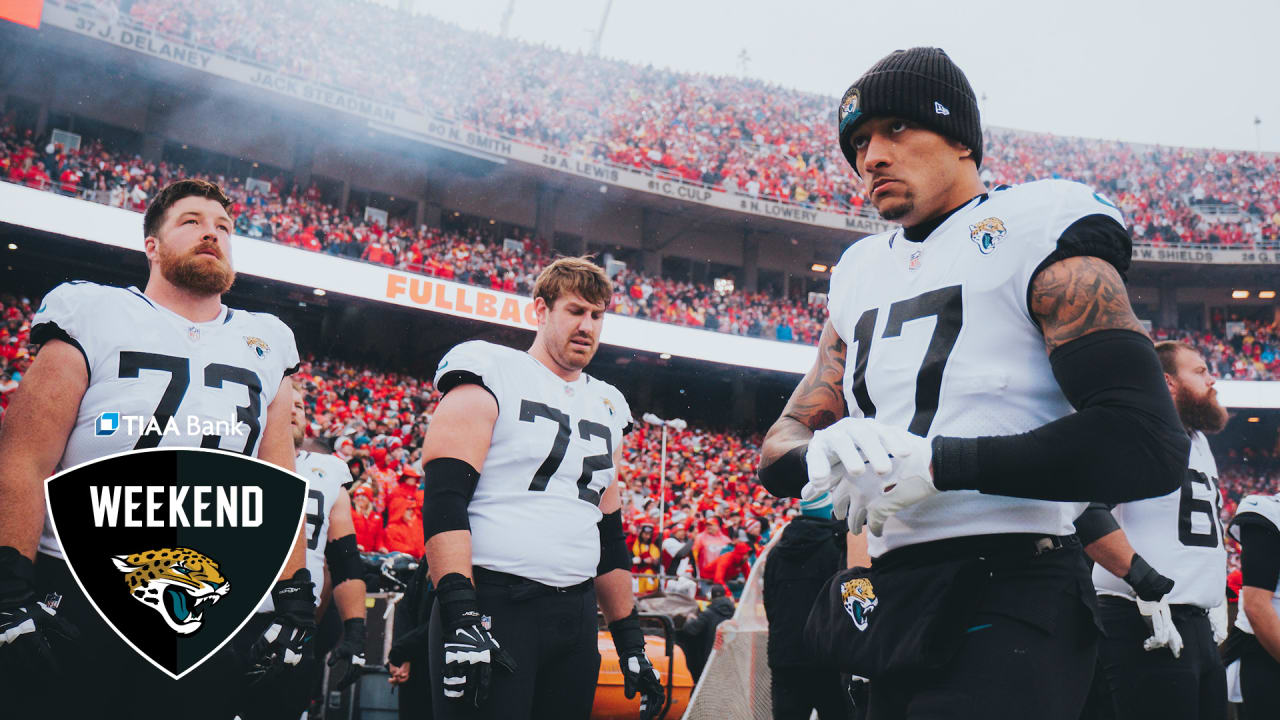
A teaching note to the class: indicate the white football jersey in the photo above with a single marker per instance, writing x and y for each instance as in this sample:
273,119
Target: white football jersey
1179,534
1265,508
157,379
941,342
325,476
536,506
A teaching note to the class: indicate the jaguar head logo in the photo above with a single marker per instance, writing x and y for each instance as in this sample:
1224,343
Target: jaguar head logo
178,583
859,600
987,234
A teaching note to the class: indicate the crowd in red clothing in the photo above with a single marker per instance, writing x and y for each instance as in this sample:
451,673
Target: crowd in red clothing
1239,350
730,133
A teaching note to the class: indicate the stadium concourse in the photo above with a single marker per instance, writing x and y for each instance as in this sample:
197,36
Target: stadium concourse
688,126
477,255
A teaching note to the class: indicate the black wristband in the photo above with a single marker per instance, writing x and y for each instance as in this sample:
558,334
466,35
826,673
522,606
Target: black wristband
353,631
295,598
1147,583
786,476
628,636
459,605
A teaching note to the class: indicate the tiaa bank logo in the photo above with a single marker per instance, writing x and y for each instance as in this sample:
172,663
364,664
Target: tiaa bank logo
175,547
107,424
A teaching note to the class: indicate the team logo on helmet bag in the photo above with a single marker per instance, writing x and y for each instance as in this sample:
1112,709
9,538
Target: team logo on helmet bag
176,547
987,234
859,600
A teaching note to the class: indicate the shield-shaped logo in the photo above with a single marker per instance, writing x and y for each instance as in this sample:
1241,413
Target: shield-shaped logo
176,547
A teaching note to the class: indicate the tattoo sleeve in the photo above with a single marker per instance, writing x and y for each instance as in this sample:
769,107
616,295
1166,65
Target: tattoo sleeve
1077,296
817,402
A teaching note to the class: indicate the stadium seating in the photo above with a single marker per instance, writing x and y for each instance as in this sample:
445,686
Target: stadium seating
731,134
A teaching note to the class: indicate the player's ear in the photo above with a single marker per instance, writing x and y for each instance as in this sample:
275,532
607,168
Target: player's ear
1173,386
150,246
540,309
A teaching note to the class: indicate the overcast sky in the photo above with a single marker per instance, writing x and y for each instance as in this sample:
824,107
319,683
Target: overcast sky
1173,72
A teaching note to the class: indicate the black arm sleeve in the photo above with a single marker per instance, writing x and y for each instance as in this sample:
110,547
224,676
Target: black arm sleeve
1259,556
343,559
1095,523
447,485
613,544
786,476
1125,443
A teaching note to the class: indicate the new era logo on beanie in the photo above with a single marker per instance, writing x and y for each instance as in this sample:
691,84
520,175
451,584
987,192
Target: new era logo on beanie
922,85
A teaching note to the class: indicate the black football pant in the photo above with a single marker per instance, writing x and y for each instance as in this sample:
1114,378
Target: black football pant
1028,652
102,677
1153,683
552,637
1259,686
798,691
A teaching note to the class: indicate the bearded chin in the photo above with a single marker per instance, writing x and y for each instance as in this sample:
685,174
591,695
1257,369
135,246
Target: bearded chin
1201,413
193,274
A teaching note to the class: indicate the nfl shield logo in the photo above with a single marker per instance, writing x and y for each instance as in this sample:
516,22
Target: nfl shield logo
176,548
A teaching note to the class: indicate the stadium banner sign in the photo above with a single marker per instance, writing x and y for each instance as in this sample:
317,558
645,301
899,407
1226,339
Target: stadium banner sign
435,130
70,217
1206,256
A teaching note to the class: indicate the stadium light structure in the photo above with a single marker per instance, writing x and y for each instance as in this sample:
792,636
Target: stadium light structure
675,424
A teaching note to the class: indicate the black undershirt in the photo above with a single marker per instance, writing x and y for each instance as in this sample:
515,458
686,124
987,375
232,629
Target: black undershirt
921,232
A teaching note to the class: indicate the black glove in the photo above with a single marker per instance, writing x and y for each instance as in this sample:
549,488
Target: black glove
347,660
638,674
1147,584
25,621
287,639
470,650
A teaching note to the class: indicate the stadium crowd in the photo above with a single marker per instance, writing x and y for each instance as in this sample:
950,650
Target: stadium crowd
733,134
706,520
299,217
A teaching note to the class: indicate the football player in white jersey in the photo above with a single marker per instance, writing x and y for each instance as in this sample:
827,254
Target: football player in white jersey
171,353
331,556
522,518
1257,527
1163,559
996,381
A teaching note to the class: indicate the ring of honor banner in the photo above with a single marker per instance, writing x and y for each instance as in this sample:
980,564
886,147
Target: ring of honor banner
176,548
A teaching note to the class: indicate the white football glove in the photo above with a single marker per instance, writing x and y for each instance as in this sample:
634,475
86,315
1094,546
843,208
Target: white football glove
908,483
844,450
1218,621
849,500
1163,632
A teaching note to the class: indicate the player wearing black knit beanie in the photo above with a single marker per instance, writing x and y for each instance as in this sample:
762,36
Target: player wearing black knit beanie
983,377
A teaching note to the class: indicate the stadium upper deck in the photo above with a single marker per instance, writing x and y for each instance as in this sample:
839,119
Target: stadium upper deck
732,143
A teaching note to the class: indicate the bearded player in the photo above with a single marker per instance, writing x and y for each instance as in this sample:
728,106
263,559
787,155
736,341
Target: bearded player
984,361
522,517
1161,572
170,352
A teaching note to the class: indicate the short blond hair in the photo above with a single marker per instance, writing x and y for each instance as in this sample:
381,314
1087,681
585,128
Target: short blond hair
573,276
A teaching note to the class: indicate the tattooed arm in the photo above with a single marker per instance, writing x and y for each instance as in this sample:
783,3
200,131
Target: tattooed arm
818,402
1124,443
1077,296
